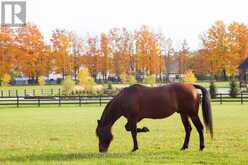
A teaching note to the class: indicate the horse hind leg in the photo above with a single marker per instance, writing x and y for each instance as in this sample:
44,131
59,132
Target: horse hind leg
197,122
188,129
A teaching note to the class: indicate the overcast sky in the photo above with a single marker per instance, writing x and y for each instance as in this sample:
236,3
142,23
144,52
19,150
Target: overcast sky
177,19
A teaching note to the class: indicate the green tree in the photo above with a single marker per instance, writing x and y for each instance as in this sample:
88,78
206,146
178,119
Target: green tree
131,80
234,90
151,79
213,90
124,78
68,85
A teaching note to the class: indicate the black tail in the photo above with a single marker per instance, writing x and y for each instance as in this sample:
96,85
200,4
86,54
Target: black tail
206,108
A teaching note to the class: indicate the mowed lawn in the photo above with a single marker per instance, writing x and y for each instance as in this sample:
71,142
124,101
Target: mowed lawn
66,135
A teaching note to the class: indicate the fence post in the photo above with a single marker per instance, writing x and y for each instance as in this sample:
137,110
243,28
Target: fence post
38,97
59,98
2,93
100,100
220,98
17,101
80,101
241,97
16,93
9,93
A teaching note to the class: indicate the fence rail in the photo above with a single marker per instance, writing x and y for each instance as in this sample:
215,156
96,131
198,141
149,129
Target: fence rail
53,100
18,101
30,92
224,97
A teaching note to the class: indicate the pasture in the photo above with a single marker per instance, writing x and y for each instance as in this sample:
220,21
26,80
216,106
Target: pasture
66,135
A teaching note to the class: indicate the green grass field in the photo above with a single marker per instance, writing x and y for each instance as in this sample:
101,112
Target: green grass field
66,135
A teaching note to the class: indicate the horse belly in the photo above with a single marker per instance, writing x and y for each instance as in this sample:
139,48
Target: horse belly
156,112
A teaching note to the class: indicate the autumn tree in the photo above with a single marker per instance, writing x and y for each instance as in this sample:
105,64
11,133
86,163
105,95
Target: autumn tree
61,47
201,63
238,46
7,51
149,58
121,47
183,58
106,55
78,49
216,42
91,59
226,47
34,55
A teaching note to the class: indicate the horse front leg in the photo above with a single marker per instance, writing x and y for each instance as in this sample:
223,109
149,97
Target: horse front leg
133,127
144,129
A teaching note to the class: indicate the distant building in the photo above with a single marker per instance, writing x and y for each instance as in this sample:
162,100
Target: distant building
243,73
20,81
172,69
54,78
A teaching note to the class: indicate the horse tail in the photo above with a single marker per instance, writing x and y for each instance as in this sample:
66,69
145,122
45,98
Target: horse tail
206,108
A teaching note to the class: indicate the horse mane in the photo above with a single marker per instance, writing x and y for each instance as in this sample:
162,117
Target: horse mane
104,121
107,109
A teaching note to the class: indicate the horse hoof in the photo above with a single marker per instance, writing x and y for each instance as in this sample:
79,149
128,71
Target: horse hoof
135,149
184,148
145,129
201,148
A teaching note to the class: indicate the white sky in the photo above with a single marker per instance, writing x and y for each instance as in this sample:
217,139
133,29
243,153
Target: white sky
177,19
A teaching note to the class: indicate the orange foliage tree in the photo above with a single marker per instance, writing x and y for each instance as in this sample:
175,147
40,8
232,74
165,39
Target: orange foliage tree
61,49
34,55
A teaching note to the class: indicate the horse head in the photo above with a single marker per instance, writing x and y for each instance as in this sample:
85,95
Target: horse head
104,135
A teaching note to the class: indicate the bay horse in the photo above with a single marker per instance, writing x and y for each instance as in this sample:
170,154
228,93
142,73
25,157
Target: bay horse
138,102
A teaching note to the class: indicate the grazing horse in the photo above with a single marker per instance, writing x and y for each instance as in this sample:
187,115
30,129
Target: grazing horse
138,102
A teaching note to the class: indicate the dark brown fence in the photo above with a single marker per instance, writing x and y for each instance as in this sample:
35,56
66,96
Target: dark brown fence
18,101
225,98
52,100
30,92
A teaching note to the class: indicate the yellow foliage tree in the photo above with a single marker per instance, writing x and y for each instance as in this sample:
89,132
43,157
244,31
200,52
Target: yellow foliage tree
131,80
42,81
124,78
151,79
86,81
6,79
189,77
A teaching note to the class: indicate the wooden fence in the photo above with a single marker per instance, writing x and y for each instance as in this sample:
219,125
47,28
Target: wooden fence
30,92
18,101
53,100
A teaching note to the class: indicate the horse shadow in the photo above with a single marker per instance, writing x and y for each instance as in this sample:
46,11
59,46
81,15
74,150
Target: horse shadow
65,157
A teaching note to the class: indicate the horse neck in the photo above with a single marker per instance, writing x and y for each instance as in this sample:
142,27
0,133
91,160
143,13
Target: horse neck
110,114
